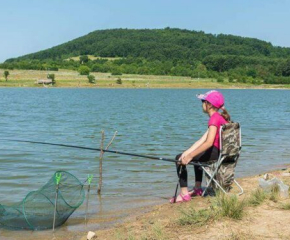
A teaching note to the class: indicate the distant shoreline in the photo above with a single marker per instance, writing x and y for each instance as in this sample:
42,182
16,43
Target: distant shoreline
165,88
72,79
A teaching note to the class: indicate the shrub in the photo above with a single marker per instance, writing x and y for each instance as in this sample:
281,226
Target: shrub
97,68
52,68
119,81
242,79
116,72
220,79
258,82
250,80
6,74
84,59
84,70
231,79
252,73
91,78
52,77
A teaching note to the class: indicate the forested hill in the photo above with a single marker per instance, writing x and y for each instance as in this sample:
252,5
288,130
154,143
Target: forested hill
159,44
166,52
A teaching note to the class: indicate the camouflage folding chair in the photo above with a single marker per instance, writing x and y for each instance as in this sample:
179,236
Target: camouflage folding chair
221,174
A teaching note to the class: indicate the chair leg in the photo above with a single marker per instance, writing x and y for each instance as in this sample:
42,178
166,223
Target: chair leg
216,184
209,182
211,179
239,186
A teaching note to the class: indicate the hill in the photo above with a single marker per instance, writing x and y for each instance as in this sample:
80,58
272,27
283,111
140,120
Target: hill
166,52
161,44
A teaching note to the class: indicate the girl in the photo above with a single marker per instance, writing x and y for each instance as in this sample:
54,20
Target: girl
206,148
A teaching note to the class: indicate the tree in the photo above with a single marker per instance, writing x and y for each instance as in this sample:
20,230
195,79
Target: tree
84,70
84,59
286,69
242,79
91,78
116,72
252,73
6,74
52,77
201,68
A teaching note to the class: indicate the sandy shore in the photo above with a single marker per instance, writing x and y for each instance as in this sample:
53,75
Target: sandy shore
268,220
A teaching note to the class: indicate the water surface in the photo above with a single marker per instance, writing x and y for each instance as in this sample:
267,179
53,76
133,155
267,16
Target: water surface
157,122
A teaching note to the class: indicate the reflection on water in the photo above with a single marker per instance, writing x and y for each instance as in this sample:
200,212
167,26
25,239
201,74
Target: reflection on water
151,122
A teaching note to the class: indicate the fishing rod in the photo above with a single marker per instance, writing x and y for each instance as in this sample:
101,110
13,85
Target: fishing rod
103,150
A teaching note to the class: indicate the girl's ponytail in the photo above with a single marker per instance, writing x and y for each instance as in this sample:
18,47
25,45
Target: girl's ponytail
225,114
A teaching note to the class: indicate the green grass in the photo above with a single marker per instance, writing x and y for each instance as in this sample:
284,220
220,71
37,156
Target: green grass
257,197
157,233
274,194
221,206
125,236
229,206
196,217
285,206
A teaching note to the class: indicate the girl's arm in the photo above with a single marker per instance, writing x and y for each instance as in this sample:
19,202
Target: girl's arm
197,144
203,147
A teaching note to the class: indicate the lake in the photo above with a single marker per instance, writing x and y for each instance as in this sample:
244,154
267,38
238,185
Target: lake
157,122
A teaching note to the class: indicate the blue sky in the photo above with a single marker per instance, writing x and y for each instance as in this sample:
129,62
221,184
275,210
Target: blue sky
28,26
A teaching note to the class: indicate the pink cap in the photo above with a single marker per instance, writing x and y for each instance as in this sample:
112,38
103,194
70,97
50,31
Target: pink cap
214,97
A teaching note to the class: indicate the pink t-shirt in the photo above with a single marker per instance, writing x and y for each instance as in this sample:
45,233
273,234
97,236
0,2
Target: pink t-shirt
216,120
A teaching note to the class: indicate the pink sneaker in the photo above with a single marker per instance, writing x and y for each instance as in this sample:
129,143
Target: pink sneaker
184,198
195,192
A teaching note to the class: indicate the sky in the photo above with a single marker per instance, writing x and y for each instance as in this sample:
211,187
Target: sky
28,26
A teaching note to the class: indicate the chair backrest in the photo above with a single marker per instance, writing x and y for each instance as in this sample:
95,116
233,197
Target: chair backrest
230,139
230,147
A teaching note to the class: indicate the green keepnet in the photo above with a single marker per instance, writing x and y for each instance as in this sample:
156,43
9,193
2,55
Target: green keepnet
36,210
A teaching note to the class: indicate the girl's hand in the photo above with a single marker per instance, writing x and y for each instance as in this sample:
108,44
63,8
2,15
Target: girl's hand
186,159
183,155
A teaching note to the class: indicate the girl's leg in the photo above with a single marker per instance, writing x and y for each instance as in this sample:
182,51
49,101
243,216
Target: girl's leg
198,176
182,177
208,155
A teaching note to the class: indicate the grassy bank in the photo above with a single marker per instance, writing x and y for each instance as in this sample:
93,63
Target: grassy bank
67,78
